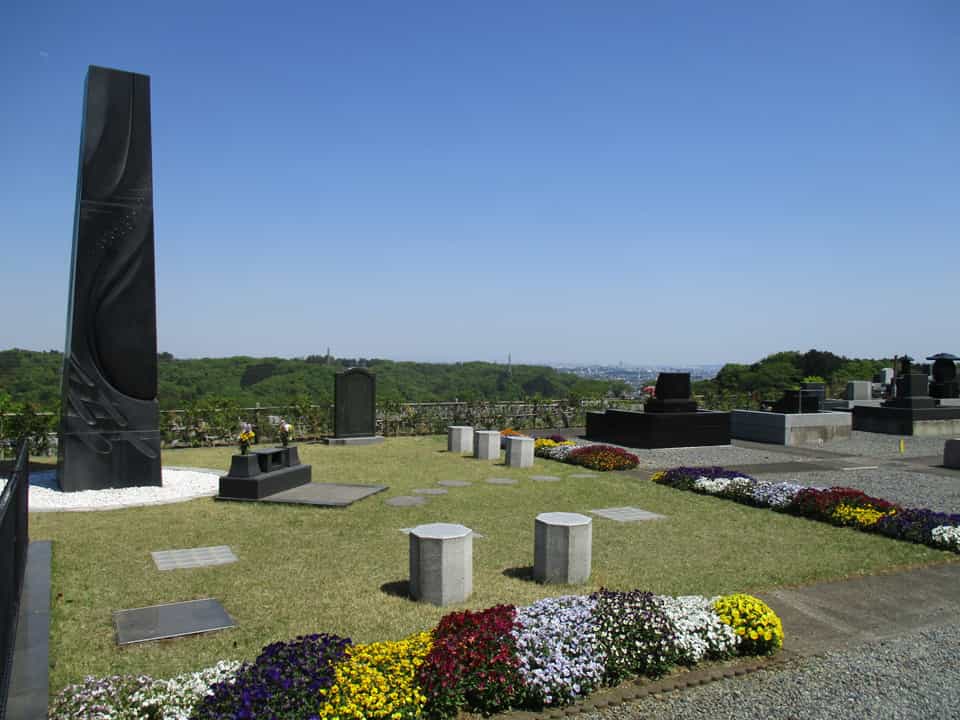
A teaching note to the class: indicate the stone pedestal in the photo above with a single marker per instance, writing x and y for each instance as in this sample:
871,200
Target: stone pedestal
519,451
486,444
951,454
859,390
459,439
562,548
441,563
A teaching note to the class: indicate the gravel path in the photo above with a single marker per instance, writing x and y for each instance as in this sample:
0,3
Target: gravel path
900,485
880,445
723,455
914,676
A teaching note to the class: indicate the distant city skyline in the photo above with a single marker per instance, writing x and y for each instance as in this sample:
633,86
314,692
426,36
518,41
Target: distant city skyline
653,183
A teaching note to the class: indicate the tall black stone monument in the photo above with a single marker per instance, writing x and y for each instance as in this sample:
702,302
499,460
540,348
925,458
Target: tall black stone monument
354,408
109,435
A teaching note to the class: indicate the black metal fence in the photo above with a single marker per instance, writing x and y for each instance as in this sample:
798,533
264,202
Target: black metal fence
13,560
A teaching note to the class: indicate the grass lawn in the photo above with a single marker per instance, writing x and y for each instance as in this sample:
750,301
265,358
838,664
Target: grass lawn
307,569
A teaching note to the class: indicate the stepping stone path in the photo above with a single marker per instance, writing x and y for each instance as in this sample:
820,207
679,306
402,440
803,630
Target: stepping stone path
406,500
193,557
627,514
454,483
544,478
501,481
583,475
430,491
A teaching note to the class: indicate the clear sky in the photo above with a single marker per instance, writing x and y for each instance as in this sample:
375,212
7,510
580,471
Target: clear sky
647,182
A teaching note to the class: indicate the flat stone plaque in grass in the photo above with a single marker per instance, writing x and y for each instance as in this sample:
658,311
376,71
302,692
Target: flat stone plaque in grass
544,478
583,475
454,483
325,494
501,481
627,514
430,491
406,500
159,622
193,557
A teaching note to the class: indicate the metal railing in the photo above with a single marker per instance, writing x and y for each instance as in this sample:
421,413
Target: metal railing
13,560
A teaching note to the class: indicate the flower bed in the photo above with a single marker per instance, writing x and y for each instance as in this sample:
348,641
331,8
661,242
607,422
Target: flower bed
546,654
843,506
593,456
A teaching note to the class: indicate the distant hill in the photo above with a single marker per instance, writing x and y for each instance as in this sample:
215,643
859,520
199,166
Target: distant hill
30,376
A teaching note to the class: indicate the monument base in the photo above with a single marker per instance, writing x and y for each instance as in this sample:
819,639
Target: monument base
789,428
364,440
263,473
659,430
920,422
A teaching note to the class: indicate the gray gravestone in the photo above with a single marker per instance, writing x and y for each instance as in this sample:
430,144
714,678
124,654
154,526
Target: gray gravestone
355,404
109,432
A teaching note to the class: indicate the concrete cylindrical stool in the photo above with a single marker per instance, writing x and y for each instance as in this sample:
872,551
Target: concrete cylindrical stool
951,454
486,444
441,563
562,548
519,451
459,439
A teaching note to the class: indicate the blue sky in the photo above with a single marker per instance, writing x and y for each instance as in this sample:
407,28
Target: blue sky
646,182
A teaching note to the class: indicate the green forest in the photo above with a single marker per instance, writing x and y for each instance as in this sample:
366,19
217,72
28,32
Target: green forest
34,377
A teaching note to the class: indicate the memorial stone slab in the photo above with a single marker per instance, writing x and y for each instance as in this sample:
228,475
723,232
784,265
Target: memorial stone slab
160,622
406,500
545,478
430,491
501,481
355,404
951,454
627,514
454,483
109,426
193,557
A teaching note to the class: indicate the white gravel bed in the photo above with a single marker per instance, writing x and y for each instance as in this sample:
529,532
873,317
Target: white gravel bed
914,676
880,445
178,485
711,455
909,489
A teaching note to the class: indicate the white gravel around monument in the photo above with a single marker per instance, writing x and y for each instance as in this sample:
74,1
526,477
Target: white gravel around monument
899,485
178,486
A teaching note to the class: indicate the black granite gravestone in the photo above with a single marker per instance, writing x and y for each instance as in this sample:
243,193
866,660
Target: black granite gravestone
671,419
672,394
944,383
109,434
355,404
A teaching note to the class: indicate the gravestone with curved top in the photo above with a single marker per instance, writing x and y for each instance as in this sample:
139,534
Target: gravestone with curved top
109,431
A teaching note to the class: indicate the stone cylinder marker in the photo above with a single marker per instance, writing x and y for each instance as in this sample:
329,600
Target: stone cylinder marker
486,444
441,563
459,439
562,548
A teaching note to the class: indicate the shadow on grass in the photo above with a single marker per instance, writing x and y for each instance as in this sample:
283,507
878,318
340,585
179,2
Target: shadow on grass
397,588
524,572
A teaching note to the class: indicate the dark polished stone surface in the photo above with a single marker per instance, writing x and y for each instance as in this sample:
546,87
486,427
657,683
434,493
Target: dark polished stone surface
672,395
171,620
355,403
798,401
109,436
659,430
899,420
29,681
913,391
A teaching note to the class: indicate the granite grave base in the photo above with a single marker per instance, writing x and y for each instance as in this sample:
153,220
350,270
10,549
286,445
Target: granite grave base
365,440
920,422
789,428
262,473
659,430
